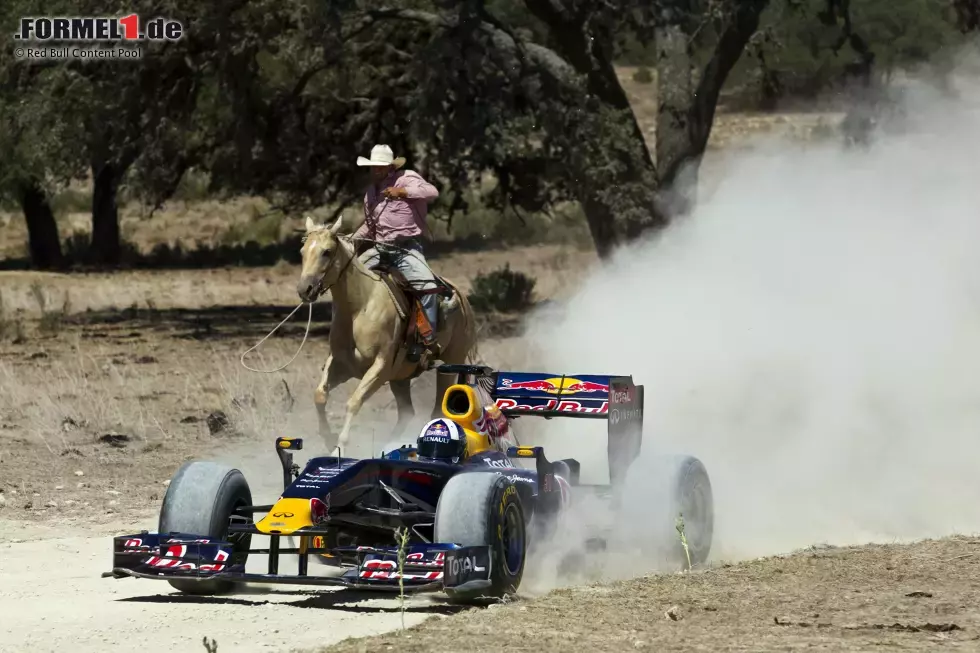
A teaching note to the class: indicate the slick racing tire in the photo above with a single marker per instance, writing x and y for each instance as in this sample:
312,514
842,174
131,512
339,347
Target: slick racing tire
201,500
484,509
656,493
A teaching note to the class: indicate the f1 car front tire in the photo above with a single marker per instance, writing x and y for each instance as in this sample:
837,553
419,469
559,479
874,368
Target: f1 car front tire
201,500
484,509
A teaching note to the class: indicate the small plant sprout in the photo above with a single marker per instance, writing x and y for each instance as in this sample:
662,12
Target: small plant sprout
401,537
679,525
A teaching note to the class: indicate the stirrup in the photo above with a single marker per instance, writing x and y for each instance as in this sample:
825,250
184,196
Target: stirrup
414,354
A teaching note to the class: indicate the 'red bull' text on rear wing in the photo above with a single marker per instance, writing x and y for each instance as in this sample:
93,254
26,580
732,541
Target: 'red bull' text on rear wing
613,398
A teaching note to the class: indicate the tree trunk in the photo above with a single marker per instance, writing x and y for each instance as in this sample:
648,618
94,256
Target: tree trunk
105,247
602,226
618,188
688,111
674,98
643,194
627,210
42,230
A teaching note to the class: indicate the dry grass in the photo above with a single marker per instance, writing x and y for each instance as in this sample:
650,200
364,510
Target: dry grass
26,295
730,129
207,222
108,421
86,358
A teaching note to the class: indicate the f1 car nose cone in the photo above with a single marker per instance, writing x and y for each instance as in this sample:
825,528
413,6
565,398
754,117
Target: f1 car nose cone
287,517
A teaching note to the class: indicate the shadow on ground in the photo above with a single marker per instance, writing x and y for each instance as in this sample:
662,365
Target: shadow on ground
210,323
249,254
236,322
343,600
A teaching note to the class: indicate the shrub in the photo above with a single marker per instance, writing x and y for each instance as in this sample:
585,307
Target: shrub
502,290
643,75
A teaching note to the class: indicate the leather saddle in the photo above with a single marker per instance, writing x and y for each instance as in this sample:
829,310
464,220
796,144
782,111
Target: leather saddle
408,297
394,277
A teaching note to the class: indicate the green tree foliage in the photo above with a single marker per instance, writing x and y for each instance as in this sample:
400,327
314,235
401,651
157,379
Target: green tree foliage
35,151
527,91
96,120
809,48
278,97
967,14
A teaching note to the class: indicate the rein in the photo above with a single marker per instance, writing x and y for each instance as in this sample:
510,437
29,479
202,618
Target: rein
309,321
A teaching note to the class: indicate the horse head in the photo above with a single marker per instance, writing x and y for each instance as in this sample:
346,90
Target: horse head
326,255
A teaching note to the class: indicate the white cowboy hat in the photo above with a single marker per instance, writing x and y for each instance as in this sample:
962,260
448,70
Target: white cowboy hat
381,155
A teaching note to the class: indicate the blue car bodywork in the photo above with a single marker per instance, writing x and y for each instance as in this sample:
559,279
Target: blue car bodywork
360,503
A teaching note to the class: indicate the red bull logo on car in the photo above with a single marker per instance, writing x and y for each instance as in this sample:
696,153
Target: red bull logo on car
521,392
565,385
564,406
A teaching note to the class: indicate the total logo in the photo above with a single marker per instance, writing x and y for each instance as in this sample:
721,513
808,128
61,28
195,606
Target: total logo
556,385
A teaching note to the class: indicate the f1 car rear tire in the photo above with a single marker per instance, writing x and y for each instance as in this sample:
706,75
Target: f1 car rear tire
485,509
201,500
656,494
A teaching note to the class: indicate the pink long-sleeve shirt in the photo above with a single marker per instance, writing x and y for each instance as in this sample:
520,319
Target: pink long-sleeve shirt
387,219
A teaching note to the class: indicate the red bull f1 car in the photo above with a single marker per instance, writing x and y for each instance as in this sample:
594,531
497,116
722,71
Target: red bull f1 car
465,501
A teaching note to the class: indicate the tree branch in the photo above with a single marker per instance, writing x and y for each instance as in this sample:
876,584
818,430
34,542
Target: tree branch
967,15
542,58
731,44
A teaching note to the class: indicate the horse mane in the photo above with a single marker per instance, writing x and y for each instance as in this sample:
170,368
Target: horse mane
316,230
347,241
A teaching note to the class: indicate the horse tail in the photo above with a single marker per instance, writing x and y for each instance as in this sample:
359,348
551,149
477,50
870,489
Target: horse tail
473,356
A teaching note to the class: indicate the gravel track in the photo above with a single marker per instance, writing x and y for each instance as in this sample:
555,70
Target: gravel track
53,599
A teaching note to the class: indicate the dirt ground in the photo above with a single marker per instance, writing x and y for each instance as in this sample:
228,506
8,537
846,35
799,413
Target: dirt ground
102,400
920,596
108,382
104,394
54,599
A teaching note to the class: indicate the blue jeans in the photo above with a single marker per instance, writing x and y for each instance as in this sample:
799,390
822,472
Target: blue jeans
408,259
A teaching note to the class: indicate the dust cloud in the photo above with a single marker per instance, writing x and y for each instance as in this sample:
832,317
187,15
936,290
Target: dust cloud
811,333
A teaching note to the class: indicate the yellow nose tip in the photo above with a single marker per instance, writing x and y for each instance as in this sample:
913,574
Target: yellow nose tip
286,517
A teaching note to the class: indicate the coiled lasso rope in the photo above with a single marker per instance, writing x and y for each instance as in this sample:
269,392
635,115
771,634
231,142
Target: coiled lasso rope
309,321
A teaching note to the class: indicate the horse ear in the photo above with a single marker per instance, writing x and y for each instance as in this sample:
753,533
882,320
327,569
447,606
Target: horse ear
335,229
310,225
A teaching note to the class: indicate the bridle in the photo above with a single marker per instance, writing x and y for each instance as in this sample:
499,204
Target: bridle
320,287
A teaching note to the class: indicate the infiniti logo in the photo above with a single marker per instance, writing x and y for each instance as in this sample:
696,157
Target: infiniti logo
282,514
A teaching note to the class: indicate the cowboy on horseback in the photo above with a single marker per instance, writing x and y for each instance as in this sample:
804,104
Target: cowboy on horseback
395,211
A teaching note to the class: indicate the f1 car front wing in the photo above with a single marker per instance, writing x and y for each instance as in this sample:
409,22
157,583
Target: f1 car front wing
424,567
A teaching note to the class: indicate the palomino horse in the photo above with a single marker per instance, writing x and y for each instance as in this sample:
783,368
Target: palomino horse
367,331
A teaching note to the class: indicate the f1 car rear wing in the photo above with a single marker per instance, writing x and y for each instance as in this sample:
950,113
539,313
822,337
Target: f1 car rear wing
615,399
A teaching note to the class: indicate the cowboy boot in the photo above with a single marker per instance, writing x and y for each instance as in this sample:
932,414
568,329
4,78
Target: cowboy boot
428,336
433,349
427,348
